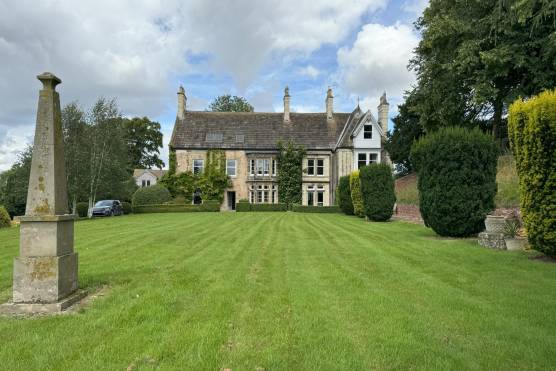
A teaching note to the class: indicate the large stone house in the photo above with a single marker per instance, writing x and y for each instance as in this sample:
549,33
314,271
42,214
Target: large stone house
336,144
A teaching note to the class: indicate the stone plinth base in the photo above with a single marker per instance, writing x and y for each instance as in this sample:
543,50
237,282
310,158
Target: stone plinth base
44,279
42,308
492,240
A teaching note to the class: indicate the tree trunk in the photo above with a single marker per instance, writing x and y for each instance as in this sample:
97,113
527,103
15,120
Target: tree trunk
497,118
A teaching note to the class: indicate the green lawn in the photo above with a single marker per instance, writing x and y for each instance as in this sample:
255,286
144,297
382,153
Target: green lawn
287,291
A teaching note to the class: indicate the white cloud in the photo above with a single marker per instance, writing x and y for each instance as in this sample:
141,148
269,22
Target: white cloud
136,50
377,62
309,71
415,6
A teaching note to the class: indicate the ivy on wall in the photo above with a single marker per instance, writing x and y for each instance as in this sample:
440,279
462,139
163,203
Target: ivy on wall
290,172
172,162
212,182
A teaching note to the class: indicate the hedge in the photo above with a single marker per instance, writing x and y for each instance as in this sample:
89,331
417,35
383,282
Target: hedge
127,208
343,195
244,205
153,195
532,134
82,209
356,197
456,170
316,209
174,208
377,189
5,220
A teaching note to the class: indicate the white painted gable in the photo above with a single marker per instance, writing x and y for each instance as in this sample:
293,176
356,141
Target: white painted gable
359,141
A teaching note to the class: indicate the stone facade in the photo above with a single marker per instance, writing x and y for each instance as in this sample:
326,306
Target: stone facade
336,144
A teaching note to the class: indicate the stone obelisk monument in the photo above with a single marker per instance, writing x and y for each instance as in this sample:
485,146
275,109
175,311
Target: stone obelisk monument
45,272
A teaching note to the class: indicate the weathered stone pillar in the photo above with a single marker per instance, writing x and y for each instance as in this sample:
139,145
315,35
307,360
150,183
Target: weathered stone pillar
45,272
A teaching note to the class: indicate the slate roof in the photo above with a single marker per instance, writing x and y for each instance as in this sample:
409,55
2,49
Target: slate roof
256,131
157,173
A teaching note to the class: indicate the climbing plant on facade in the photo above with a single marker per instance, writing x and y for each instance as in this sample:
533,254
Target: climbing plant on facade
212,182
290,172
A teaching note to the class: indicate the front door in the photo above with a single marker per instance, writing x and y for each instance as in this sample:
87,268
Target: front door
231,200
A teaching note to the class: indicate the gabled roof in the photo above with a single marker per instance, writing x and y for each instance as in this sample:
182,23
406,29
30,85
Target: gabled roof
257,131
367,117
157,173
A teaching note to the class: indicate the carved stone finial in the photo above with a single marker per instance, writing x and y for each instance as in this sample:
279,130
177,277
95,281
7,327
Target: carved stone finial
49,80
329,93
287,91
181,90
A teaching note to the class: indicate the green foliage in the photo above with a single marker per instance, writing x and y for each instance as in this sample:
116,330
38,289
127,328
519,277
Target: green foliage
5,220
457,179
172,161
206,206
153,195
343,195
356,196
229,103
127,208
82,209
316,209
14,184
475,57
243,205
212,182
377,190
97,153
144,140
290,172
407,129
532,132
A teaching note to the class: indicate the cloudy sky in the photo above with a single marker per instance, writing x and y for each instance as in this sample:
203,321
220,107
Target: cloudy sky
141,51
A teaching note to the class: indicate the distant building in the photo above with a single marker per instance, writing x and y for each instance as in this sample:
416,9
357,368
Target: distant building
336,144
147,177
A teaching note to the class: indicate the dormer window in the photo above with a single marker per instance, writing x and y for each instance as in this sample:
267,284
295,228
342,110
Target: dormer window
367,131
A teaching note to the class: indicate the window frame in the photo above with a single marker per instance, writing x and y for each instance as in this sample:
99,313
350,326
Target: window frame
320,168
359,161
202,167
229,167
311,166
368,131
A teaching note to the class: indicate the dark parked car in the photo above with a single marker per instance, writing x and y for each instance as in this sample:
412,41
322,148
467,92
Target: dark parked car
108,208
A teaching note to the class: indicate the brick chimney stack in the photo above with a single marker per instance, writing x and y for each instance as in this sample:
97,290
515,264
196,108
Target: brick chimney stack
287,104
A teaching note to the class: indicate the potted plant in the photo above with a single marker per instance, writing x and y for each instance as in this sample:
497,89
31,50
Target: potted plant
511,236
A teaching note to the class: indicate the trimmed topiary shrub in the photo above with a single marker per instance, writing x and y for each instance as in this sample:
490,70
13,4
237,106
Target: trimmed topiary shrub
153,195
457,179
316,209
243,205
356,197
5,220
82,209
377,190
532,134
206,206
126,207
343,195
